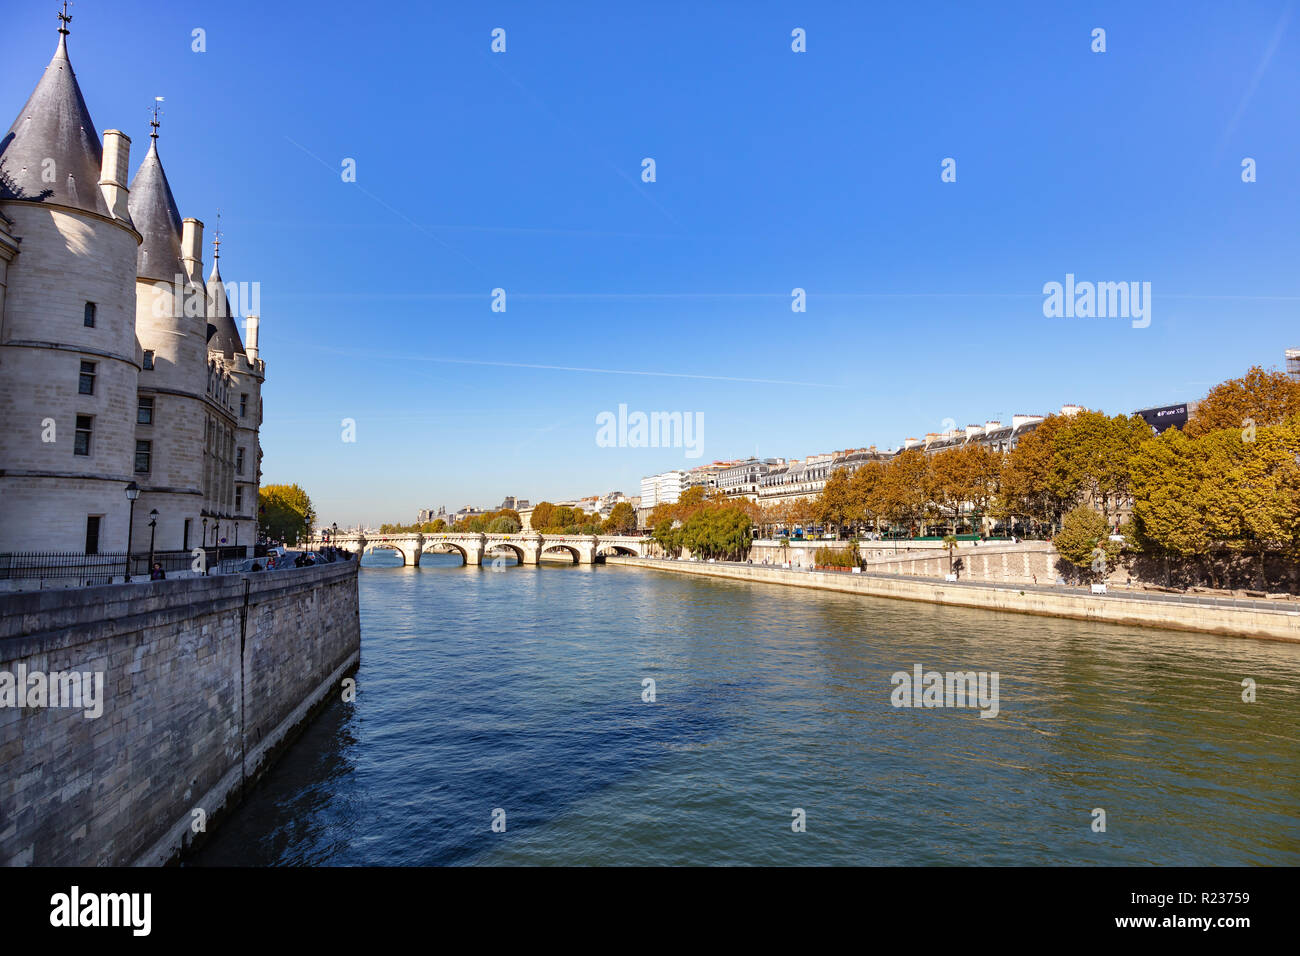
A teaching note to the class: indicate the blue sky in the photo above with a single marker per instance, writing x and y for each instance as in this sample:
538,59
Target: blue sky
775,170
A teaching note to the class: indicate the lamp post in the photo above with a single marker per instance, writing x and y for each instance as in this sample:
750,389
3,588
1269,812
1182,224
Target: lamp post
153,524
132,493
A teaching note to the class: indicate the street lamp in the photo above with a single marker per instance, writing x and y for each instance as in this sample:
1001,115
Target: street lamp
132,493
153,524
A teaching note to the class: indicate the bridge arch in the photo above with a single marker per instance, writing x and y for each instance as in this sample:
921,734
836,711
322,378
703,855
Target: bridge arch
499,546
617,550
444,547
387,546
551,548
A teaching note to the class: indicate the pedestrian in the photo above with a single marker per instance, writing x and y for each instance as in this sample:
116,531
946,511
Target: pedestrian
156,573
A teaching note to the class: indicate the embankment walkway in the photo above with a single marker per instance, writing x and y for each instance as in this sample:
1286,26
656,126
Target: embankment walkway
1260,619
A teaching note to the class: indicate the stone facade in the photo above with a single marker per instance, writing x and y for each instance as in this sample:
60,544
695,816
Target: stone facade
117,362
188,720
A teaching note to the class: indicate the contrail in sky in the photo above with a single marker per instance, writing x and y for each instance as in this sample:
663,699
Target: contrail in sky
576,368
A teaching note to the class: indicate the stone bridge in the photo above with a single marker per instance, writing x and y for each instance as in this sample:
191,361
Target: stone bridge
528,547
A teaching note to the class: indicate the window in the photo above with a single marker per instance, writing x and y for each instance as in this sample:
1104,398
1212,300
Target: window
89,318
239,500
144,414
239,462
92,534
143,454
243,404
81,443
186,541
148,360
87,384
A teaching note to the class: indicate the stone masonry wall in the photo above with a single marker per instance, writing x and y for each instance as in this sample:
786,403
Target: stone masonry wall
176,734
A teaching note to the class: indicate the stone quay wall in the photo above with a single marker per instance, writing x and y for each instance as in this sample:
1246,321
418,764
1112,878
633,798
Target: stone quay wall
1255,622
204,681
1025,562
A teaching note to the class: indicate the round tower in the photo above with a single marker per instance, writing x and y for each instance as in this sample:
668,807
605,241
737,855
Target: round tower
69,361
171,323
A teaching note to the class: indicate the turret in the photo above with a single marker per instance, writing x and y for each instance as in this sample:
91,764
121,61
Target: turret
250,350
223,334
112,175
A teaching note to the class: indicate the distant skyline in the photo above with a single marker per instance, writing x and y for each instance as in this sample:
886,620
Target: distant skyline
775,171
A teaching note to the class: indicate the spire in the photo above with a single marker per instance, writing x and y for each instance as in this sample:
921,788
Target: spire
52,153
223,334
153,210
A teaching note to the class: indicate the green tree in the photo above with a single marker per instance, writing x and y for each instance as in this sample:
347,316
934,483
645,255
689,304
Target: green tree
285,513
668,536
1084,539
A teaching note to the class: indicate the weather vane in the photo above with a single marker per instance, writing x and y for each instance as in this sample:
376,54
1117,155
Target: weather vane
156,113
64,18
216,238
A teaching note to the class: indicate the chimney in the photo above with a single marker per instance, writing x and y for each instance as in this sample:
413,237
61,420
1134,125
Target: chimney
973,431
113,174
192,249
991,426
250,349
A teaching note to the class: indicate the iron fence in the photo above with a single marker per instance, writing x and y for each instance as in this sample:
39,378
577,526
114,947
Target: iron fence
73,569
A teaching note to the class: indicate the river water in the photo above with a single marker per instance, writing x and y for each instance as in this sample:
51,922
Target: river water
522,691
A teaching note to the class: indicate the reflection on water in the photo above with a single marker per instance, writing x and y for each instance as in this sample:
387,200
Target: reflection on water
522,691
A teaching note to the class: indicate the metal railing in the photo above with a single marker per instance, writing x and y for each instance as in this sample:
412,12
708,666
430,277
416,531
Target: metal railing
74,569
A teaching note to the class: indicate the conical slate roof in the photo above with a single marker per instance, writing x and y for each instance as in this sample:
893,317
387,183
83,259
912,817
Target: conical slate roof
223,334
153,210
54,126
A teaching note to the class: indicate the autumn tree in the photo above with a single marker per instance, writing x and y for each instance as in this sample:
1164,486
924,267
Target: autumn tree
541,516
905,488
1264,398
864,493
1090,458
621,520
1025,476
834,506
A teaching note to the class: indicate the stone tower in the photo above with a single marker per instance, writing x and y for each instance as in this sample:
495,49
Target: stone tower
171,323
118,363
232,451
69,361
